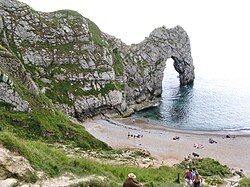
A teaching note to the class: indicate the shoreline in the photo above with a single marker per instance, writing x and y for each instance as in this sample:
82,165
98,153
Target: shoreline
140,122
159,142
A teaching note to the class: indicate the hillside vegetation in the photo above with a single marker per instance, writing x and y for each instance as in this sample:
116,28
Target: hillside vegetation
59,64
35,133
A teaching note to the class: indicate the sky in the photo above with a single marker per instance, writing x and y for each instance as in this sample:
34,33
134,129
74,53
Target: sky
219,30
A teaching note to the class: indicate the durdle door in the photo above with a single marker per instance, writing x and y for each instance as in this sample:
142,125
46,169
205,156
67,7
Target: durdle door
146,62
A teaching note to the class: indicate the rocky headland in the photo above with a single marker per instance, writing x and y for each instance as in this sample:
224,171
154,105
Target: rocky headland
82,70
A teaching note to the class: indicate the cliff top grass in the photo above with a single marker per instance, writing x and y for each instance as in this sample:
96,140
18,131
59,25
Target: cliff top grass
68,12
54,162
245,182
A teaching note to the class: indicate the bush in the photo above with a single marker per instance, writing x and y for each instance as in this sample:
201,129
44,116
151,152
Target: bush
214,180
95,183
211,170
207,167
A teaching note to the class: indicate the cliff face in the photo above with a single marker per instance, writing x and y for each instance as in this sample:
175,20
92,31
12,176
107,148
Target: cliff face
84,71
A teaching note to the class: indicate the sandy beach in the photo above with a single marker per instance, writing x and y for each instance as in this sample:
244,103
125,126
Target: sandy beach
233,152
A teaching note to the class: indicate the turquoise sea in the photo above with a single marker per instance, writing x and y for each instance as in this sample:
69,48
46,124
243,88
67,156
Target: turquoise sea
216,101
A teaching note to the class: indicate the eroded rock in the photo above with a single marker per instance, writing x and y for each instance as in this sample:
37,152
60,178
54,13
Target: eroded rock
84,71
12,165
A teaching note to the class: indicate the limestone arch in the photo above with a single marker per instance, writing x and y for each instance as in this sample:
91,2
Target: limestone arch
149,61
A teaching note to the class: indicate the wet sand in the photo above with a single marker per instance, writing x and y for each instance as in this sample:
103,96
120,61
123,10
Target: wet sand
233,152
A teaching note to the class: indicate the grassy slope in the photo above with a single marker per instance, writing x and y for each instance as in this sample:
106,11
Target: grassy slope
245,182
31,134
53,162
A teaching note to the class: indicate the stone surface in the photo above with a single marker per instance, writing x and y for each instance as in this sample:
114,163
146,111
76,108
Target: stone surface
12,165
84,71
11,182
10,96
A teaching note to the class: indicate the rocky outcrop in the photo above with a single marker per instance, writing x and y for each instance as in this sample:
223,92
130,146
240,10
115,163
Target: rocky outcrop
146,63
10,182
12,165
11,64
9,98
84,71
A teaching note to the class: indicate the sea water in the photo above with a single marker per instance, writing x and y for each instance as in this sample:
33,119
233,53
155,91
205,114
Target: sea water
216,101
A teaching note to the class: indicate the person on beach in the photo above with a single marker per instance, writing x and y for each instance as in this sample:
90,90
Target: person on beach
188,178
197,180
131,182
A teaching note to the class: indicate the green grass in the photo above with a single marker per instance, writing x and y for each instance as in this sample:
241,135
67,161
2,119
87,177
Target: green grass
207,167
45,158
95,183
6,106
245,182
214,180
61,90
118,65
12,48
44,122
211,170
111,86
68,12
5,53
48,128
54,163
31,134
96,35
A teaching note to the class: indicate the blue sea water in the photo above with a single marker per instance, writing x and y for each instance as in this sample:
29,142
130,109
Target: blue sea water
216,101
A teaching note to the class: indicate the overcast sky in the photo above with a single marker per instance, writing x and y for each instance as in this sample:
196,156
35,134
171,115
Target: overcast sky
219,30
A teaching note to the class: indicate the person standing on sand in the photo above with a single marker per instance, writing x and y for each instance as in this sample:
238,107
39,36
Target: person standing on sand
130,181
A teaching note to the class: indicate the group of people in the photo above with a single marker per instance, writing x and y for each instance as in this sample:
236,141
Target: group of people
193,178
135,135
176,138
211,140
190,157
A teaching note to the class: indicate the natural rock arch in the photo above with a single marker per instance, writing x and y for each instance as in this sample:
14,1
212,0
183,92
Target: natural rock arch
149,61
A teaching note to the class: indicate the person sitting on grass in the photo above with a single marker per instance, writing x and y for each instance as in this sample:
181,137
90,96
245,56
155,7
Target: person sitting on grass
131,182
